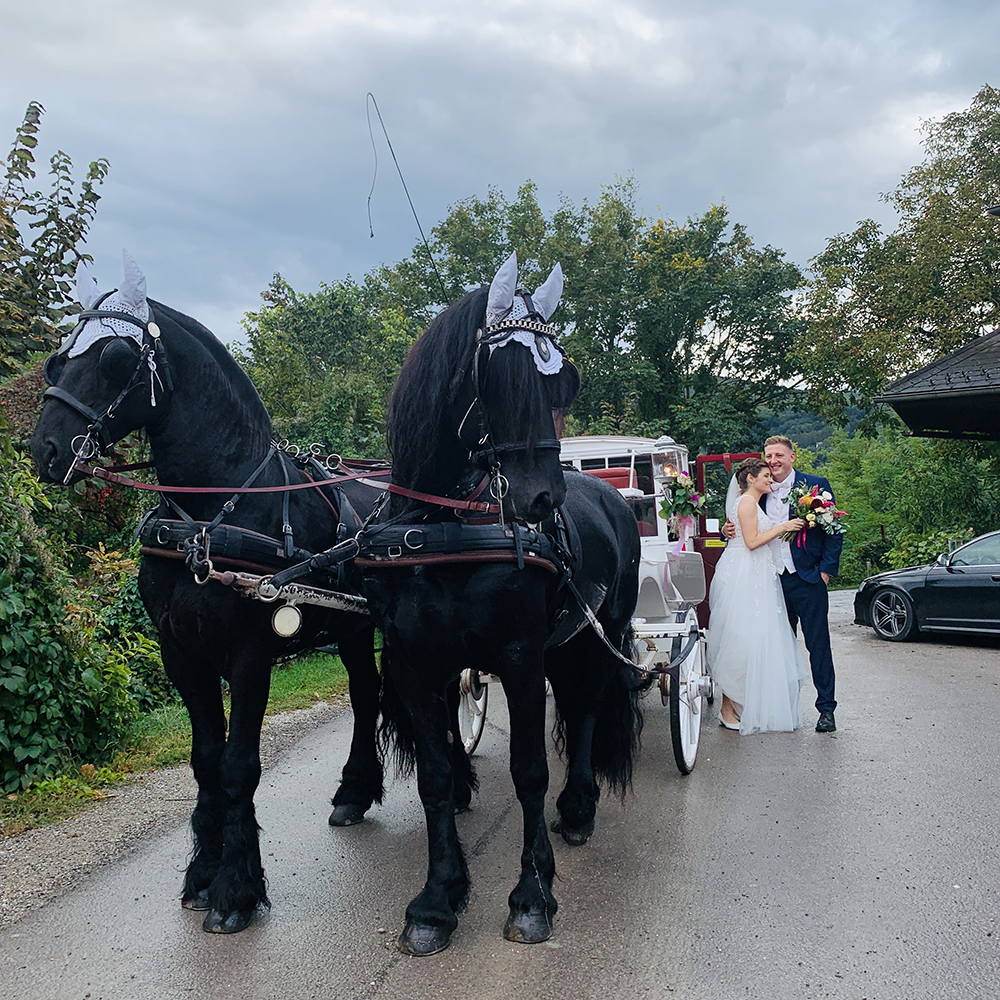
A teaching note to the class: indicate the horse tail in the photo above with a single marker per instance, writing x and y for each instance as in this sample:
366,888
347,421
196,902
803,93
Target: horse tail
618,726
395,732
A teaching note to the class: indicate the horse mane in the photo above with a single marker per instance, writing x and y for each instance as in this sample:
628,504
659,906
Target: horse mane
237,383
421,428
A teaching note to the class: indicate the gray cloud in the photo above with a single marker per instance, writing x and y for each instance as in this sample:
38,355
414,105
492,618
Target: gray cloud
238,141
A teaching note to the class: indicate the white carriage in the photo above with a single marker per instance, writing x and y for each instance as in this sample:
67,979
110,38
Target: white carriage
668,640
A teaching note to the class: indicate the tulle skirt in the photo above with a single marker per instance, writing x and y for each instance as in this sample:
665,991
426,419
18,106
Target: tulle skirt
753,653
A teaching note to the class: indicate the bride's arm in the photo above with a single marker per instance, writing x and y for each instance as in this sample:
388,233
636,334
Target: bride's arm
746,510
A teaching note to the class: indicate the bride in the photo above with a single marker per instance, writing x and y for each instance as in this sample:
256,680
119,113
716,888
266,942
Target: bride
754,653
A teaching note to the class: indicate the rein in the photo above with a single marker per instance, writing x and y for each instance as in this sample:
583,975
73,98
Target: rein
109,476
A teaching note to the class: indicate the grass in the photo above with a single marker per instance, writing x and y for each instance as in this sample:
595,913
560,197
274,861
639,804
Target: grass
161,738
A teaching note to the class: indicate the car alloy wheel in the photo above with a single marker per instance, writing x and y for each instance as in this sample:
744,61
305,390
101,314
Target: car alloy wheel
892,615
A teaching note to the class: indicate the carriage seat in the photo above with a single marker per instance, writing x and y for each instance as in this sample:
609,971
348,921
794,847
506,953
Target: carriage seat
620,479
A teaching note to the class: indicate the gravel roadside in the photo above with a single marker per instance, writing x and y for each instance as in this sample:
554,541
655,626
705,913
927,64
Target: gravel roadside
41,864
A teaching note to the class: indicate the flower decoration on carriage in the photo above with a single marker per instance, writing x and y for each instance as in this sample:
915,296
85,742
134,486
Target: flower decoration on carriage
683,503
816,507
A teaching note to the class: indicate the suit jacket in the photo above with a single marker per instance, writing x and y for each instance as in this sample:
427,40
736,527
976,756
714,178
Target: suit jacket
821,552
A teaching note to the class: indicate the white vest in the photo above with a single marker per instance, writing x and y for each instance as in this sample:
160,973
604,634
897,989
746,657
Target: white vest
779,512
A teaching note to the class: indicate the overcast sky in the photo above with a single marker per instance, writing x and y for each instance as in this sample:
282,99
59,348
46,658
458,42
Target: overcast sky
239,146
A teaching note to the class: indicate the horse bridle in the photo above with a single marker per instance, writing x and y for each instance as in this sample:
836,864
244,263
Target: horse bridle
98,438
485,447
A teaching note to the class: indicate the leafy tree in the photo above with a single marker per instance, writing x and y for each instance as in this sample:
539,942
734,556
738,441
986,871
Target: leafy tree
680,328
716,320
882,305
324,362
35,273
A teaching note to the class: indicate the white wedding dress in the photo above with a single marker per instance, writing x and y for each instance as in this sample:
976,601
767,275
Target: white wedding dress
753,653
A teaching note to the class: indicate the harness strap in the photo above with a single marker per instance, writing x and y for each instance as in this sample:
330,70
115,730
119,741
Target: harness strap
480,506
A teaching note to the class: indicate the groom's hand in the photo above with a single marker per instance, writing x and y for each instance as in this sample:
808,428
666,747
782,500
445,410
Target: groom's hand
729,530
826,577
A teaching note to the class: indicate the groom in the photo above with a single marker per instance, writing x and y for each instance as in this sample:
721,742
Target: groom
805,572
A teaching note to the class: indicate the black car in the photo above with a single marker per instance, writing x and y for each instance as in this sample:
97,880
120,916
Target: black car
959,592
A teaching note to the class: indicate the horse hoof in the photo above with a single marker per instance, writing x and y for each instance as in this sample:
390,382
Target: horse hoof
420,940
238,920
347,814
532,927
574,837
199,901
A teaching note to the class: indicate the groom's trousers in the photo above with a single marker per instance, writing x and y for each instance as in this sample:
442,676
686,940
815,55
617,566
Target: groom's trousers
809,604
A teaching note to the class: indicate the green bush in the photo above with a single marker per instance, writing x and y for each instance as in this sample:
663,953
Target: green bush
921,549
62,692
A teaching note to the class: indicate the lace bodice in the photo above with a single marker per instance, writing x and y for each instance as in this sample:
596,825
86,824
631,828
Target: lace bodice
763,553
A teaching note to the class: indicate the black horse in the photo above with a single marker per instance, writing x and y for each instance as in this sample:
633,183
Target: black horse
208,427
470,406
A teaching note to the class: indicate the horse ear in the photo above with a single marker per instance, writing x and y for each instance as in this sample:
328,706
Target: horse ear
546,296
502,289
87,289
133,287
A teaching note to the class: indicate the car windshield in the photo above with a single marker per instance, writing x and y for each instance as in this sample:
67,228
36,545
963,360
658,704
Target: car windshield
981,552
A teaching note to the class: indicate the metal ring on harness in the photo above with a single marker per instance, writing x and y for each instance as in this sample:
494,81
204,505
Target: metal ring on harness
410,545
87,447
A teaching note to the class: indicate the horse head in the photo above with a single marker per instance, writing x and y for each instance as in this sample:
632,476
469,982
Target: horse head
110,376
480,395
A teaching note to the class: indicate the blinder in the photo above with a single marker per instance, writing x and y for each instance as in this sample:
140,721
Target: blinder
119,361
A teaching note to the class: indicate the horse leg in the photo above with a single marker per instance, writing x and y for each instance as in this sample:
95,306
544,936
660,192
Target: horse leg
574,689
464,780
200,688
361,782
239,888
532,905
431,916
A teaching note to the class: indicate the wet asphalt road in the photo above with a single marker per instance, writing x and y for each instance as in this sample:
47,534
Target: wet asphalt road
857,865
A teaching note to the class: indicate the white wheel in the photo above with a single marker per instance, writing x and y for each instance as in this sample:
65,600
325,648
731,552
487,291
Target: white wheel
471,709
689,683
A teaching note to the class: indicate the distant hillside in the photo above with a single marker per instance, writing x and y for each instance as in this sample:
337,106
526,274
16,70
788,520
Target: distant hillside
806,429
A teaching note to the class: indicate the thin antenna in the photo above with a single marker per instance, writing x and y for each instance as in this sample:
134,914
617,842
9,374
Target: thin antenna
371,231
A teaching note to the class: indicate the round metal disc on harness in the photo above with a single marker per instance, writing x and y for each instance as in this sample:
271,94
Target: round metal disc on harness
286,620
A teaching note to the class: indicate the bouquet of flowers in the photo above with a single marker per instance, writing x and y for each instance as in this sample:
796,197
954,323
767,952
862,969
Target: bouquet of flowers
817,509
684,500
681,505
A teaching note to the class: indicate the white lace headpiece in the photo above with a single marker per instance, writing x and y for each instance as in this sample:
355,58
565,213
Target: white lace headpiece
507,305
128,298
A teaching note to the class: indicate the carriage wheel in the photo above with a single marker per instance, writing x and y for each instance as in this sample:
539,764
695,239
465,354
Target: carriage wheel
471,709
686,695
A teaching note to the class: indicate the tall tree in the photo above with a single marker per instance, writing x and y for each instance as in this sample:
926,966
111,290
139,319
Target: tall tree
716,320
882,305
36,270
324,362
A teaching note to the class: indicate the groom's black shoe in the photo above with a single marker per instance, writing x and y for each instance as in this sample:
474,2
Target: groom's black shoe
826,723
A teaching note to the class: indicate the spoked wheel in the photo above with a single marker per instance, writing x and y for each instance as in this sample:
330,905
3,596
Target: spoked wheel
688,685
893,617
471,709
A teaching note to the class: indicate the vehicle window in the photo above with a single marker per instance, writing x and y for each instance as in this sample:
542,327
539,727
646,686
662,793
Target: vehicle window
645,514
594,463
981,552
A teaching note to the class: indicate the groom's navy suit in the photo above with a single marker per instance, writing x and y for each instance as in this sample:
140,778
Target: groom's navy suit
806,597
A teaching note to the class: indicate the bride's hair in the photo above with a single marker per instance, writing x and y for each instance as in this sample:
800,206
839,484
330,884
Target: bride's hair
749,467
